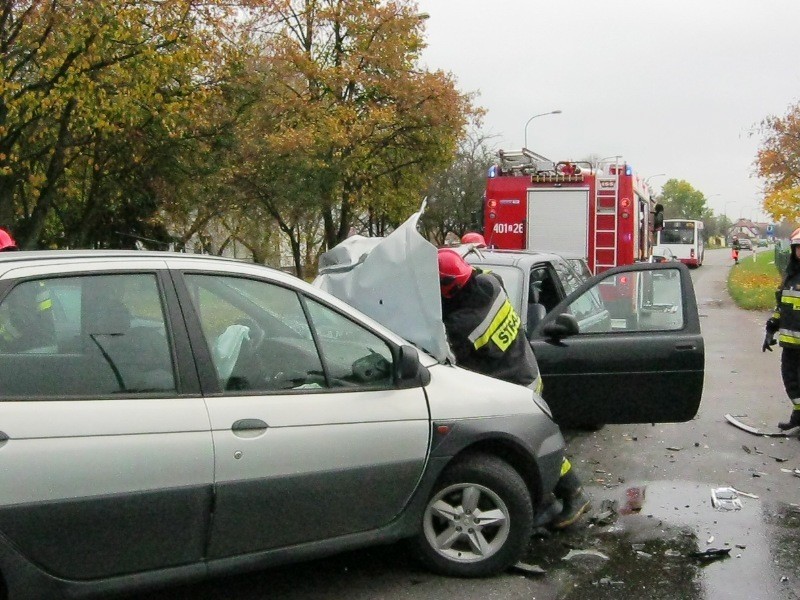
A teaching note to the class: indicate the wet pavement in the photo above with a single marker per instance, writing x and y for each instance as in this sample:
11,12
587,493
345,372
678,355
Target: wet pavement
646,549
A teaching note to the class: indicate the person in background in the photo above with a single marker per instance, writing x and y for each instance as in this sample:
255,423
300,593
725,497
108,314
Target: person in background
7,243
785,321
735,247
485,335
658,218
471,237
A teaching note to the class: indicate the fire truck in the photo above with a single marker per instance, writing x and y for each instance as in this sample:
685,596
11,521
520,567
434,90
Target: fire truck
600,211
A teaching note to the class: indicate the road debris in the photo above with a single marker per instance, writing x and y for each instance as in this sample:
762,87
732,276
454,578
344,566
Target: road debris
747,495
725,498
576,553
607,513
795,472
529,569
608,581
674,448
710,554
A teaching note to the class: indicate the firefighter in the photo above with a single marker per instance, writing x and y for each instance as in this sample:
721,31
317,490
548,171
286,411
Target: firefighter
471,237
7,242
785,321
486,336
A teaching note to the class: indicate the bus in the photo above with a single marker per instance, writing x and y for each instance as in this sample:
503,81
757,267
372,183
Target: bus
684,238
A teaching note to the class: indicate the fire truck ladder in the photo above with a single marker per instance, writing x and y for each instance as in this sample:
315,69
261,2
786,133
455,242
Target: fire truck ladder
605,220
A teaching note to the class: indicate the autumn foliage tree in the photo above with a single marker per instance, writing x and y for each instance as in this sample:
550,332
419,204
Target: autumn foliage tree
778,163
89,89
349,111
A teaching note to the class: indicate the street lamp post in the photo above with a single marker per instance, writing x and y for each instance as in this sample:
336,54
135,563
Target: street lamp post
552,112
647,179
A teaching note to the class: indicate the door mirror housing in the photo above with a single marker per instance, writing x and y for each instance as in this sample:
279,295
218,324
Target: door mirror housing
564,325
410,372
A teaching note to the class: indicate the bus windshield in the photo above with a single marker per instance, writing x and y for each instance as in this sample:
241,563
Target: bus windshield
678,232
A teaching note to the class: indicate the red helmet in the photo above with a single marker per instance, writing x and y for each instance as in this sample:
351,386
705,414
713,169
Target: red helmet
6,241
473,238
454,272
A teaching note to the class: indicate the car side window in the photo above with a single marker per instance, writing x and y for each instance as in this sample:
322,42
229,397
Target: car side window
257,334
568,277
354,356
543,288
85,336
631,302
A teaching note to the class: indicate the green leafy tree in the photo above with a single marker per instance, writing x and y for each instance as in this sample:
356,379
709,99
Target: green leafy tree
455,198
681,200
81,82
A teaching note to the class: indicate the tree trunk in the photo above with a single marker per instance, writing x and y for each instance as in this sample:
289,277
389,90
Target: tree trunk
35,225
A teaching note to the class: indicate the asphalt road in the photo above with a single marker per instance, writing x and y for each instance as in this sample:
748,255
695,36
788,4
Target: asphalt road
659,478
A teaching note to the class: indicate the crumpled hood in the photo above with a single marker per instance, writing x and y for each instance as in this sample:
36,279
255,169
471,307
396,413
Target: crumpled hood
392,279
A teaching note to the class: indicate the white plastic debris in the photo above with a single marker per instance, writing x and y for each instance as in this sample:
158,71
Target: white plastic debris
725,498
573,553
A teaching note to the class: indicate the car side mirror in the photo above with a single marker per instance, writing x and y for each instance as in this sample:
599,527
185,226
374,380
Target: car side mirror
410,372
563,326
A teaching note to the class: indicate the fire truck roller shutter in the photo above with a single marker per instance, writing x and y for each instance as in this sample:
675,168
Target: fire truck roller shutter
558,220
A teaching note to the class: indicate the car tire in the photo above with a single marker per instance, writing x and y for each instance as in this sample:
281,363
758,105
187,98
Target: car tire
452,541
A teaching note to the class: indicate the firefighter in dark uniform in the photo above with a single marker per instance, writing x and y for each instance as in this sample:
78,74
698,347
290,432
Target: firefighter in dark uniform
785,321
485,334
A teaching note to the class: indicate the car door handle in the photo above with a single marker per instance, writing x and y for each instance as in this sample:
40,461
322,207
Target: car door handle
247,428
687,346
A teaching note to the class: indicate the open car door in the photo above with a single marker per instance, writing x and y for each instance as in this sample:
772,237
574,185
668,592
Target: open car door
625,347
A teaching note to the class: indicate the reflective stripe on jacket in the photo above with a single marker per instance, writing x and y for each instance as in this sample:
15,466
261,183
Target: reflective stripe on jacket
485,333
787,313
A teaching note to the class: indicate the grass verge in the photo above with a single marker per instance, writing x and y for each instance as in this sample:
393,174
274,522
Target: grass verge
752,283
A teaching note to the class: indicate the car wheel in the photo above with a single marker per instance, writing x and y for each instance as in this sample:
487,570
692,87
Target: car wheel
478,520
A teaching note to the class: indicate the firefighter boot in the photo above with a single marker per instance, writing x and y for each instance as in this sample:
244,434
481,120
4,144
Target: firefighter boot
575,505
794,421
574,500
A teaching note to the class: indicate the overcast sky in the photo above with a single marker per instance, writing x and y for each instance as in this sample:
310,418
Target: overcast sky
673,86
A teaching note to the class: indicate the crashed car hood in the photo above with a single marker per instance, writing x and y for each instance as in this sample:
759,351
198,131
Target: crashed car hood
394,280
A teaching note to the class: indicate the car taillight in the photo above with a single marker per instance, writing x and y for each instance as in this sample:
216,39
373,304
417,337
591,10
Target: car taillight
691,253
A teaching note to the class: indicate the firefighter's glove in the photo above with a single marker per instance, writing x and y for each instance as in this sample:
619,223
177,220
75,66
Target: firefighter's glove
769,341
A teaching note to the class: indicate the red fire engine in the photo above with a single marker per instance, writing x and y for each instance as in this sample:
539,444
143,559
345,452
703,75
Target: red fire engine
602,212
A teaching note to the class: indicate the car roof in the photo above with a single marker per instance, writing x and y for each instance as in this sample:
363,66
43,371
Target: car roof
517,258
11,260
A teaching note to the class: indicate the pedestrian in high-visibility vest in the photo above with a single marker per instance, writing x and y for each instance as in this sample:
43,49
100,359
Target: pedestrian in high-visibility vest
735,247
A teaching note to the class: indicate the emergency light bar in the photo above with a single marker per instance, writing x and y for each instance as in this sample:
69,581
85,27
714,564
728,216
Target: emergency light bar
545,178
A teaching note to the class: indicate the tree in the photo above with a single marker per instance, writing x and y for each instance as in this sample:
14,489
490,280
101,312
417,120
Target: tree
778,162
681,200
80,81
361,125
455,198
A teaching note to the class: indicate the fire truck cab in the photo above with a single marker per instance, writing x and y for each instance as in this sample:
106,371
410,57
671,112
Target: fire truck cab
601,211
